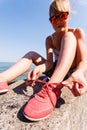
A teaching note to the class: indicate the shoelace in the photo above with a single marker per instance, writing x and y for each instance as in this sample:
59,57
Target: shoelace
58,85
47,87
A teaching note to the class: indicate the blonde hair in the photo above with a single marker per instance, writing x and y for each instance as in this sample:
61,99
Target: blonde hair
58,6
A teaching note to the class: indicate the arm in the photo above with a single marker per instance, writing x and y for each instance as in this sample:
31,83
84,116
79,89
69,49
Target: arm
49,54
81,50
43,66
48,63
79,86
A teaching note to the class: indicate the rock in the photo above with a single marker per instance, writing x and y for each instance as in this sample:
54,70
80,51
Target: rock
70,112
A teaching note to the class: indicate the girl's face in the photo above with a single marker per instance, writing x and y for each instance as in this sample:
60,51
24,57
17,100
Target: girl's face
59,20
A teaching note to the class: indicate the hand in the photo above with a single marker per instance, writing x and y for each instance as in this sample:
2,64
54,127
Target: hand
76,83
30,83
78,89
33,75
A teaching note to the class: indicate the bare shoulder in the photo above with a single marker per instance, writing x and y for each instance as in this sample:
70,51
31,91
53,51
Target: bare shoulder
49,40
79,33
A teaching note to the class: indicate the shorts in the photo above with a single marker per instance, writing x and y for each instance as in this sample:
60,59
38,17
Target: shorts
50,72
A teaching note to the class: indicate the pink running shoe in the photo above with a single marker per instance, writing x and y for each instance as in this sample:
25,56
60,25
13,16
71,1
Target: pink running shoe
3,87
43,103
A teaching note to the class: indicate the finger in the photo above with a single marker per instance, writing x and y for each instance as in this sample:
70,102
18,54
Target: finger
68,81
35,75
79,89
76,90
30,83
73,90
30,75
70,86
83,89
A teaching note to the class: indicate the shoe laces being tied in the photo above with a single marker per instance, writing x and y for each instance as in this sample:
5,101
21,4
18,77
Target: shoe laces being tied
50,89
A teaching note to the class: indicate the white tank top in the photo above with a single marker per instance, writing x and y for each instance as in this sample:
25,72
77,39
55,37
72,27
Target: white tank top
55,52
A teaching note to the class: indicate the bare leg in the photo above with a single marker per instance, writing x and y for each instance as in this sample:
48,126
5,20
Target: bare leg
66,58
21,66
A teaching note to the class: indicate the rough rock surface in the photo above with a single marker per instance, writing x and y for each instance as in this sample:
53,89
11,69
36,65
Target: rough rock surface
70,112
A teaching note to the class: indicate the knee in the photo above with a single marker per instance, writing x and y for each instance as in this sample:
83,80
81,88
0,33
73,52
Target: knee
29,54
70,38
70,35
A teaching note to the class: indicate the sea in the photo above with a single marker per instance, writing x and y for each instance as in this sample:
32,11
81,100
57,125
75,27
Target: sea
5,65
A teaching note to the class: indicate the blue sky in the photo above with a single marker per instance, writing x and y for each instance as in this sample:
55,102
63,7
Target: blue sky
24,25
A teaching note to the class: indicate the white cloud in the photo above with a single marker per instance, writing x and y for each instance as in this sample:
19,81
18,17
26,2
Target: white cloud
83,2
78,2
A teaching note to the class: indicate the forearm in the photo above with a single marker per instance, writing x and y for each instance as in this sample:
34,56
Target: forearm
82,66
38,70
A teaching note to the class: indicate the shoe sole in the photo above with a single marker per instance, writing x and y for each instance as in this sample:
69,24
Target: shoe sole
3,91
33,119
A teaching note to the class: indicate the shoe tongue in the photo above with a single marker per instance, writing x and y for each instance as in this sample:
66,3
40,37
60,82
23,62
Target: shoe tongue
49,92
53,92
54,95
55,85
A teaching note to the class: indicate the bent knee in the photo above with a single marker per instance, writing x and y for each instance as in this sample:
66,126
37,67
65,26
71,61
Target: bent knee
70,38
30,54
70,35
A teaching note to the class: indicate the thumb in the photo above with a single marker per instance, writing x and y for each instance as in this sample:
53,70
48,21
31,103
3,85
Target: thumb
68,83
35,75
